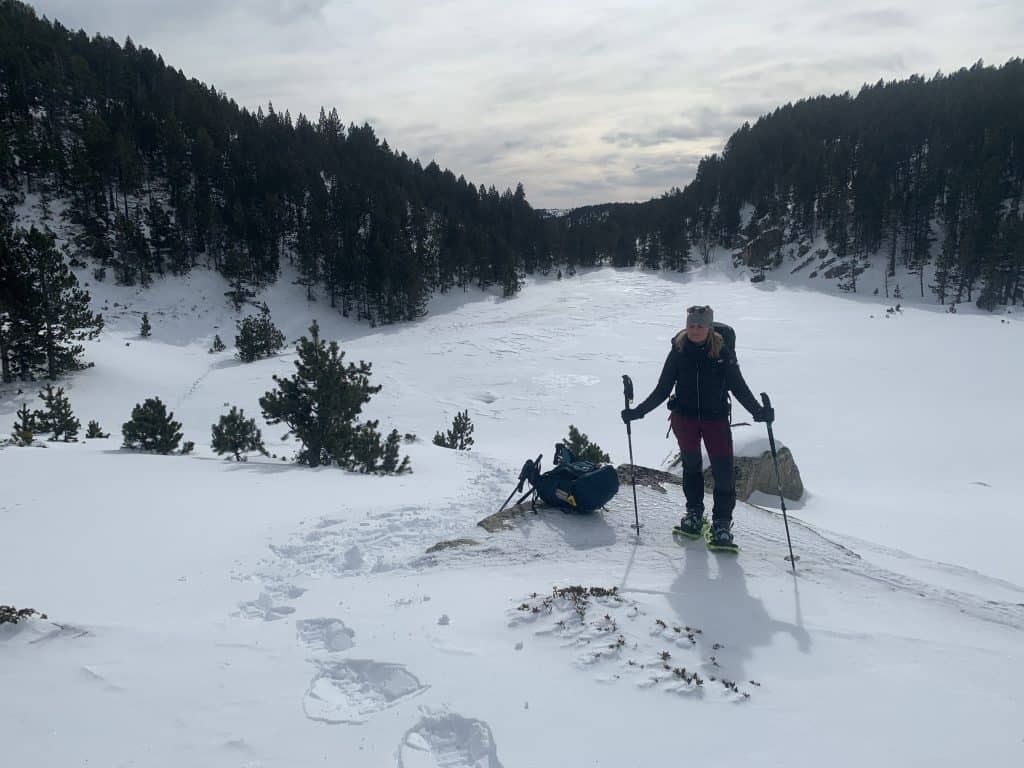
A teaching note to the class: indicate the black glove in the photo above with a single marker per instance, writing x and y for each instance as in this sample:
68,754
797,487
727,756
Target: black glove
630,414
765,414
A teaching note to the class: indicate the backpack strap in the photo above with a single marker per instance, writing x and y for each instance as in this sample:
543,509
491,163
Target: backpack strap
563,455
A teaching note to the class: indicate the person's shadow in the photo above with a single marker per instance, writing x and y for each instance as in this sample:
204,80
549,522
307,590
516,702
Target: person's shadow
727,615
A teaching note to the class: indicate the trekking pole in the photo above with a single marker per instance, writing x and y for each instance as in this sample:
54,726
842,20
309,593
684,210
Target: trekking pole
778,480
627,391
524,473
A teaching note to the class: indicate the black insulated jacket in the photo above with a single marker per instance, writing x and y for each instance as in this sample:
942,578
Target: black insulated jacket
702,385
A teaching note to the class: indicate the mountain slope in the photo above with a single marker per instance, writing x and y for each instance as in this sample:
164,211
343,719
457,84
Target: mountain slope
213,613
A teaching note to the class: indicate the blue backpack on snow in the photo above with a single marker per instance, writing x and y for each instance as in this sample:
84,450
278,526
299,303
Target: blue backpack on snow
574,485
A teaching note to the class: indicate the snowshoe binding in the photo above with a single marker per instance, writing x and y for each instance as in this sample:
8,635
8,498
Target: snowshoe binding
718,537
692,526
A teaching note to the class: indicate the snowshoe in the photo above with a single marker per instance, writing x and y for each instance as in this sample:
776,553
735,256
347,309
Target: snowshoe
692,526
718,537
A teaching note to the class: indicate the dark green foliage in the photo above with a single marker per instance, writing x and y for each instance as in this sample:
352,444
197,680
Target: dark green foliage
258,337
366,448
163,170
44,315
217,346
56,416
583,449
460,436
376,233
145,330
11,615
392,462
24,428
94,432
236,435
152,428
880,172
320,403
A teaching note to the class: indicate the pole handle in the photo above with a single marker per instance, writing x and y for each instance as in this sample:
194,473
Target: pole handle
765,401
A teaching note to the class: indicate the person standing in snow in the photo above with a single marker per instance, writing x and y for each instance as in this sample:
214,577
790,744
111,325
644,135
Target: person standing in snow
704,370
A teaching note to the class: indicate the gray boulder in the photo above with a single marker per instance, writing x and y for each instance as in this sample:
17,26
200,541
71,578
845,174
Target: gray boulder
755,472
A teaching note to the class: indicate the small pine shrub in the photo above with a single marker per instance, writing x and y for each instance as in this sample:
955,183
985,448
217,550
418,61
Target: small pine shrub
56,416
145,330
237,435
24,428
321,402
258,337
94,432
152,428
583,449
460,436
367,451
217,346
390,463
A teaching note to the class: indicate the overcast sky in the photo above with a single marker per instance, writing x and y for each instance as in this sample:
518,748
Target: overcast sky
584,102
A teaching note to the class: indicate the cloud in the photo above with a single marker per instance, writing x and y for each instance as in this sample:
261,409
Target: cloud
869,22
583,101
98,15
702,123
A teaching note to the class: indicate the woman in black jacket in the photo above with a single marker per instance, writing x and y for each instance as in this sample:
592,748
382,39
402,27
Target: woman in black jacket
704,371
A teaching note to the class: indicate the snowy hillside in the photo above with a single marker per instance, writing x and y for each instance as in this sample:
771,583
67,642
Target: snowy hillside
208,613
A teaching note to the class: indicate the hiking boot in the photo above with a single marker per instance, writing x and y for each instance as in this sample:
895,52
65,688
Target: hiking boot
692,524
720,535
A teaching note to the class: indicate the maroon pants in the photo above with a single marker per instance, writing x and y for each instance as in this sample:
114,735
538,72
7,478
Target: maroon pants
717,437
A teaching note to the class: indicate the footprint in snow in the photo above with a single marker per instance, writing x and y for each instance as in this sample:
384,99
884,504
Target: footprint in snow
263,608
325,634
448,740
351,691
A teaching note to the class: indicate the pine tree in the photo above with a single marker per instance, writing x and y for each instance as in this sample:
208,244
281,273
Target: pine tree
583,449
217,346
391,463
55,313
320,403
95,432
57,418
13,294
24,427
237,435
145,330
236,269
367,450
460,436
258,337
152,428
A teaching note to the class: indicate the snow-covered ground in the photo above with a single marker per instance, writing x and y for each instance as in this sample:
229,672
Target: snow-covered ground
208,613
